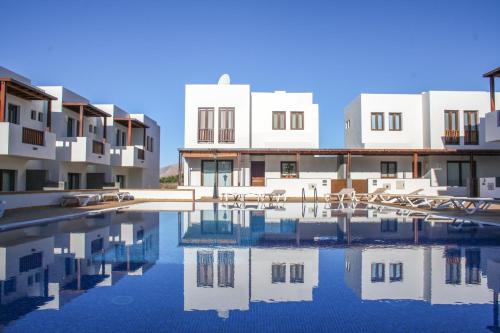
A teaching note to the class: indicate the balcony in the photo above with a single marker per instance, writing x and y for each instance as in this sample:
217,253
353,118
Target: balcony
226,135
129,156
471,137
492,126
452,137
206,135
82,149
26,142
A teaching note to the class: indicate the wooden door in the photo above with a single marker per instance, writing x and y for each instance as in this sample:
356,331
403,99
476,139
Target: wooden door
258,173
360,185
338,184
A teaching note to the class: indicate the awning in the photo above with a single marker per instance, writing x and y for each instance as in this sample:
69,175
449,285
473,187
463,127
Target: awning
88,109
134,122
210,155
25,91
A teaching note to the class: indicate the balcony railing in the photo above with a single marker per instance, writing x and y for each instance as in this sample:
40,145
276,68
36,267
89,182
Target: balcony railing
452,137
471,137
226,135
98,147
140,154
206,135
33,137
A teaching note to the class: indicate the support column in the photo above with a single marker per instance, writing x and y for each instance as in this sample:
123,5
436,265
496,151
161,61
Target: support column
129,132
49,115
238,161
416,236
415,165
472,176
179,170
80,130
105,132
78,274
348,169
492,93
495,309
3,100
297,158
216,181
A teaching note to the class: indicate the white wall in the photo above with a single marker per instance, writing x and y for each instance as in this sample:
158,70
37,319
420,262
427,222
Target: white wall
263,135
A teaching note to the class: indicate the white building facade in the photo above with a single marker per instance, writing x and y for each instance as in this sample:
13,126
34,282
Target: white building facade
55,139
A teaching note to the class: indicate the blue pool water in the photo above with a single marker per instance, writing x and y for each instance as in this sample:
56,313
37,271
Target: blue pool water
223,268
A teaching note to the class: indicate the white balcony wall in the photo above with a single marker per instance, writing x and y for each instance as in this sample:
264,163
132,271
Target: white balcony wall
492,126
79,149
263,135
11,136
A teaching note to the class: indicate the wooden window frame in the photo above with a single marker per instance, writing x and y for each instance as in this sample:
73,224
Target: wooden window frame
289,177
381,114
206,111
284,121
448,116
467,119
393,116
226,109
295,113
382,169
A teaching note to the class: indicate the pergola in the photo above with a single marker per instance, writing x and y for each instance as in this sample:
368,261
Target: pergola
492,75
132,123
25,91
87,110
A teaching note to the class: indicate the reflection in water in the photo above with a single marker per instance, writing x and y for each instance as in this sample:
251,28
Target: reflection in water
245,264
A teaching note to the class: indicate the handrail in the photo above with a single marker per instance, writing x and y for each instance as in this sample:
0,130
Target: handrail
303,195
315,195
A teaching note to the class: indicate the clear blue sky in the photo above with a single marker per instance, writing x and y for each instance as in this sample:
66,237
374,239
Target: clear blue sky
140,54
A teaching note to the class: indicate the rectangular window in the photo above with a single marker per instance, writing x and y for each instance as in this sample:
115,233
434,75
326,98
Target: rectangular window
117,138
453,267
73,181
457,173
40,116
206,125
377,121
226,125
78,128
378,272
205,269
216,223
297,120
68,268
288,169
151,145
226,269
223,170
7,180
97,245
396,272
37,277
30,280
70,128
279,120
451,127
124,139
90,128
10,286
278,273
297,273
31,261
471,130
33,114
388,169
13,114
395,121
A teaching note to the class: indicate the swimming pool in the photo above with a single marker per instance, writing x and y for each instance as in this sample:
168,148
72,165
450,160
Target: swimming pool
279,268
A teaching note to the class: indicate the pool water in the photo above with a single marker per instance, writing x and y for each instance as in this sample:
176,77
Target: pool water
252,268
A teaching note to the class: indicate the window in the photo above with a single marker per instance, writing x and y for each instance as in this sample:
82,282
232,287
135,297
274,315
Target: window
205,269
226,269
216,223
30,261
95,130
288,226
37,277
457,173
151,145
223,170
396,272
78,128
40,116
73,181
297,120
451,127
388,169
388,225
453,267
471,136
10,286
13,114
347,124
297,273
377,121
33,114
395,121
97,245
278,273
90,128
472,266
205,124
288,169
378,272
279,120
117,139
124,139
139,235
226,125
70,127
30,280
68,268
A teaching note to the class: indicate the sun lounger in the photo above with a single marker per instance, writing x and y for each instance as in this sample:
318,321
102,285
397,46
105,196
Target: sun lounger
275,195
427,201
3,204
81,200
340,196
468,205
370,197
397,198
118,196
235,196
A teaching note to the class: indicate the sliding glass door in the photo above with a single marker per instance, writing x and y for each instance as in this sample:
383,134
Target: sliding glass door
223,170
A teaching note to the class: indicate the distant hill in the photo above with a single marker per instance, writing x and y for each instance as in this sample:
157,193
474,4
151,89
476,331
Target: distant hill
169,170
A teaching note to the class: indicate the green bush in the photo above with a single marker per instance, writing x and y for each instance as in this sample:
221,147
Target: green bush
169,179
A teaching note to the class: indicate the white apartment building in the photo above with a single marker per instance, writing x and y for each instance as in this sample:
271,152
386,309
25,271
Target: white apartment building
55,139
239,141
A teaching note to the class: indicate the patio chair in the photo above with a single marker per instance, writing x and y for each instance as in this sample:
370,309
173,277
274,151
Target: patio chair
276,195
397,198
343,193
370,197
468,205
3,204
81,200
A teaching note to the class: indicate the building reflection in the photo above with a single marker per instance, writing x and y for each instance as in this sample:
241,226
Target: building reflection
45,267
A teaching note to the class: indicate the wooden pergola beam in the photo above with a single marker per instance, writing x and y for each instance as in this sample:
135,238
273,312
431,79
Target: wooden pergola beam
3,102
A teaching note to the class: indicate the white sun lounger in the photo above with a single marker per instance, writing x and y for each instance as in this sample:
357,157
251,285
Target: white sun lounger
349,193
370,197
397,198
3,204
235,196
275,195
81,200
118,196
468,205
